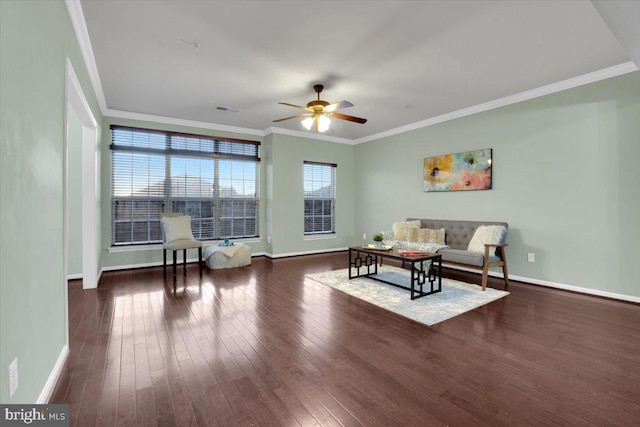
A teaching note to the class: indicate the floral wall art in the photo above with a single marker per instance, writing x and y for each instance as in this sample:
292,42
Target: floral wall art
468,170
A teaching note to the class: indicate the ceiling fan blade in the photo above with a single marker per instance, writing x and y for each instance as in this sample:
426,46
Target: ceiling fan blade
292,105
338,105
349,118
292,117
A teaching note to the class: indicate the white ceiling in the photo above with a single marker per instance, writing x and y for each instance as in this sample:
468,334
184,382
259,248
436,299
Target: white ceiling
398,62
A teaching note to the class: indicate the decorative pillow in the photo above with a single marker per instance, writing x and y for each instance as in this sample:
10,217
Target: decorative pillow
486,234
427,235
387,235
402,230
177,228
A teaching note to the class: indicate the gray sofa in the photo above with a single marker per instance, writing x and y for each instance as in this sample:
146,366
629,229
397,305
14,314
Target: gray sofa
457,237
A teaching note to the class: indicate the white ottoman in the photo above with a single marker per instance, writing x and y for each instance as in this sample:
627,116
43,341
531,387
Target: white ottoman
217,256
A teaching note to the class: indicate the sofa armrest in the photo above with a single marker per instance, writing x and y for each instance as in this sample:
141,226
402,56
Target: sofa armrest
499,247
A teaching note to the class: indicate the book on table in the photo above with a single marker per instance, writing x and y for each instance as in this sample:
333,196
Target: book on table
409,252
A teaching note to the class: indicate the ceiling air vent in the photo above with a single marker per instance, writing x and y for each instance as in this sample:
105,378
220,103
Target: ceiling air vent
228,109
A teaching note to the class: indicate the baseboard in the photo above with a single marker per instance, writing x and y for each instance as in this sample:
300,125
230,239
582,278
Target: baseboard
313,252
193,260
159,264
146,265
142,265
54,377
556,285
79,276
578,289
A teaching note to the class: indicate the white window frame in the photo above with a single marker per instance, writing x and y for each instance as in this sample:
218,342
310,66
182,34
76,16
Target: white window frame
319,210
200,196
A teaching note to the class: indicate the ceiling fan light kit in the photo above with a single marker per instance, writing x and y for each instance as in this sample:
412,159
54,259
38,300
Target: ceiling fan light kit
307,123
320,112
322,122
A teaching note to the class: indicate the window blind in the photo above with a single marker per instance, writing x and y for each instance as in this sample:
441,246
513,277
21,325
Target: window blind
215,181
319,197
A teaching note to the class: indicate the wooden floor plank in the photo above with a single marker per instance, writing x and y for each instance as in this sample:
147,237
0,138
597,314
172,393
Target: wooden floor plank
265,346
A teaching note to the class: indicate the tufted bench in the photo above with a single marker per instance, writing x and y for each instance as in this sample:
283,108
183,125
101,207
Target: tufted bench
457,237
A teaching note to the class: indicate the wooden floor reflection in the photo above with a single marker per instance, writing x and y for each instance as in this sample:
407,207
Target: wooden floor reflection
262,345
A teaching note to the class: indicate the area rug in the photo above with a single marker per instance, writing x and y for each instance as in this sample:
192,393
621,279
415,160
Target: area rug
456,297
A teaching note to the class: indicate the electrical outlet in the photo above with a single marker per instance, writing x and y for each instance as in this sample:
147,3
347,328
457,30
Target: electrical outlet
531,257
13,376
364,236
268,239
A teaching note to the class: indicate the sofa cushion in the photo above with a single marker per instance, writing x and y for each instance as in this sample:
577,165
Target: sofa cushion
427,235
464,257
402,230
178,245
486,234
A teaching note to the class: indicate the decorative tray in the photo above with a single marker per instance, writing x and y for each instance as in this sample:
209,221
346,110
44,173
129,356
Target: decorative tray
378,248
407,252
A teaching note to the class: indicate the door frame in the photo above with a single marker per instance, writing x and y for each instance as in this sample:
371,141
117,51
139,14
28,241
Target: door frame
76,100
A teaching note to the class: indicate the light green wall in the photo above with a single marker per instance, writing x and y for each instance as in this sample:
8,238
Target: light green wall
281,204
565,177
35,39
74,192
267,173
287,208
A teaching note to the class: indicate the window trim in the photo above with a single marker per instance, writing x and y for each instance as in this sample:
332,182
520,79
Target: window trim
157,246
222,150
318,235
184,134
310,162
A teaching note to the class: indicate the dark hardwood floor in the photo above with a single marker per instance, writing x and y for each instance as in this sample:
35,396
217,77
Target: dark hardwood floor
262,345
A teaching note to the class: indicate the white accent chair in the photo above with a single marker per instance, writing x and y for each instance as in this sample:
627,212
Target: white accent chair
177,235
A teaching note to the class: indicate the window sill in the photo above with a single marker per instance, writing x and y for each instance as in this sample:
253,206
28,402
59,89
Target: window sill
158,246
320,236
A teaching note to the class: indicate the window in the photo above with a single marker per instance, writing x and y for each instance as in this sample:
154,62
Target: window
319,198
214,181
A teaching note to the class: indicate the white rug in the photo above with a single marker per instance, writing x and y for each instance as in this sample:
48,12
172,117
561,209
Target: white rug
456,297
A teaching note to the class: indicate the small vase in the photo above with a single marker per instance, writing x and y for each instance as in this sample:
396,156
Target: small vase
377,244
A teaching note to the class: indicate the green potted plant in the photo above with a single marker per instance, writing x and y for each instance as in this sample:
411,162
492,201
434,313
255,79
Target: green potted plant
377,240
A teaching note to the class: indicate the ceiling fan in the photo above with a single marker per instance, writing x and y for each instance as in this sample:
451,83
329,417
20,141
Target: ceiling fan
320,112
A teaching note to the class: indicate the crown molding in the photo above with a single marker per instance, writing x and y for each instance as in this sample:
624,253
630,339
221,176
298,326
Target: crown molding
616,70
309,135
213,126
180,122
82,35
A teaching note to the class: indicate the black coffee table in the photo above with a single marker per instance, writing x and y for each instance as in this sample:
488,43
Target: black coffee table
424,268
